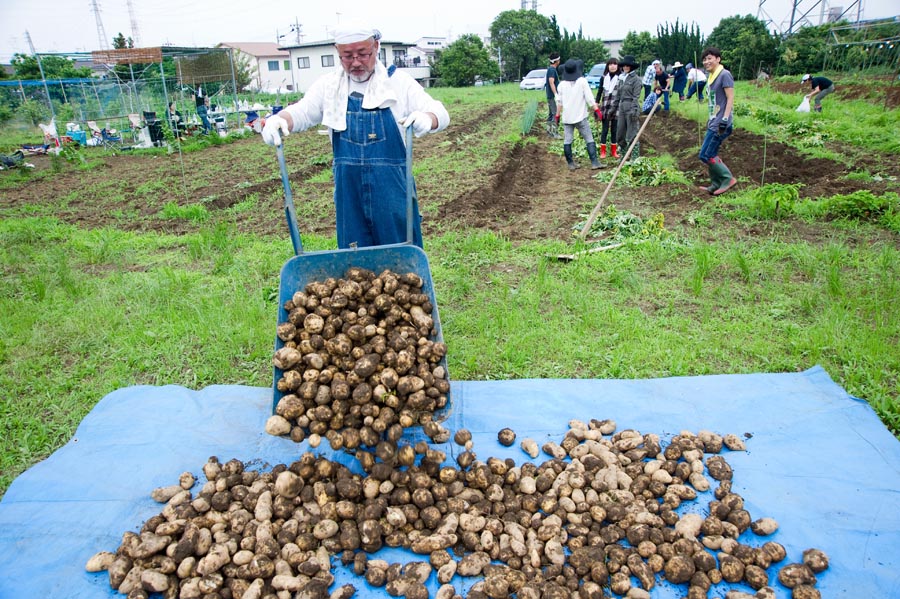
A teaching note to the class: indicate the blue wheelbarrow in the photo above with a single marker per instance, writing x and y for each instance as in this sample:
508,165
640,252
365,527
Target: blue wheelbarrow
306,267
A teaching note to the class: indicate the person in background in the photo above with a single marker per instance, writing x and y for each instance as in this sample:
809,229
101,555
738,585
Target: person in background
679,80
697,79
366,108
821,87
629,94
200,100
650,100
575,96
174,118
720,86
550,83
649,76
662,82
608,99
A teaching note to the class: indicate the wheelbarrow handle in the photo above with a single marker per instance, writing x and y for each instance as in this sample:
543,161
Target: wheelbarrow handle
409,185
290,213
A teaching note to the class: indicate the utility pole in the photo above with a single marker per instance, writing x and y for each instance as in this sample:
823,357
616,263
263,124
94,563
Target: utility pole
101,32
297,28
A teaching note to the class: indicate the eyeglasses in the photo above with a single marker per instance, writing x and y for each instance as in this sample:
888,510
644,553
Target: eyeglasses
360,56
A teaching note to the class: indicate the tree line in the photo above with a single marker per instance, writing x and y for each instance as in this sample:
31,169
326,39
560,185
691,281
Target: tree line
521,40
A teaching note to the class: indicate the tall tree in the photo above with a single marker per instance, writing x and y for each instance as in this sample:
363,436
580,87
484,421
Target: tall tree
804,51
640,45
55,67
520,35
588,50
745,43
554,41
676,42
120,41
463,61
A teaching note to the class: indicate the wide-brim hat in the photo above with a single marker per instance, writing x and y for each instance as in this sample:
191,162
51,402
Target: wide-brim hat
628,61
571,70
251,116
677,64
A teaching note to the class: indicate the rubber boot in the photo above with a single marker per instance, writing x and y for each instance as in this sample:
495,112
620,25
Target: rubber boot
725,179
635,152
592,152
615,151
603,150
713,178
567,150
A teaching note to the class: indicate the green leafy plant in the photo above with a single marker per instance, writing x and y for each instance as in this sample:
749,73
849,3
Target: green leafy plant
775,200
618,226
529,115
645,171
191,212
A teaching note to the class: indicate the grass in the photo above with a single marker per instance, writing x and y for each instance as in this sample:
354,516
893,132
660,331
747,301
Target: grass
84,312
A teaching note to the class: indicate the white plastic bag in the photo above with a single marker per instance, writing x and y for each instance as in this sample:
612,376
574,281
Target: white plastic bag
804,105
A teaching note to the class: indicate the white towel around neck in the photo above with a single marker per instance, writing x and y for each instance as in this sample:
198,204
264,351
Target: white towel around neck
379,94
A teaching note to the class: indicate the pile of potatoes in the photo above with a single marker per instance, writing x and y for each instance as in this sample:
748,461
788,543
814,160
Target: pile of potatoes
359,360
604,512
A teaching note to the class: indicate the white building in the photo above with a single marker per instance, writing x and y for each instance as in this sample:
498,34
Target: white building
269,65
310,60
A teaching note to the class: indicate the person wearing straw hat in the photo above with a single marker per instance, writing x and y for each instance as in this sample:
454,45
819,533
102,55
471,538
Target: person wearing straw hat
821,87
720,93
574,96
679,80
366,108
629,90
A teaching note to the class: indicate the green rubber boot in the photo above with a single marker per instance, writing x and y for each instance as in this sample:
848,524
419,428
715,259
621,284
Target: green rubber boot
722,176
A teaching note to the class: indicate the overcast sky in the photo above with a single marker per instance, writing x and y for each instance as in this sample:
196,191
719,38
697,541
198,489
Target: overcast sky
71,25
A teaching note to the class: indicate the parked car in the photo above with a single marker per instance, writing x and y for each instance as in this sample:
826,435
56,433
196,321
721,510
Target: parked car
596,74
534,79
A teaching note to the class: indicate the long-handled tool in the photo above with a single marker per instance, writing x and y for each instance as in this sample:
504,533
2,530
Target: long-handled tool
306,267
596,211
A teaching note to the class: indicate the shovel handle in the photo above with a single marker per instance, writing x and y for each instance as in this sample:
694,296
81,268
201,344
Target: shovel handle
290,213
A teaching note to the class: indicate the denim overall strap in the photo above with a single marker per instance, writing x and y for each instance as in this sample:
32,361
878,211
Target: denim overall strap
370,180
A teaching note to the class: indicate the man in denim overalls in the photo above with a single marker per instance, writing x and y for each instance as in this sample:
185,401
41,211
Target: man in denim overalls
364,105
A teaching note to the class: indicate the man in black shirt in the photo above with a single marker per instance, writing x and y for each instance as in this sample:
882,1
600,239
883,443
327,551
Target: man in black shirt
550,83
821,87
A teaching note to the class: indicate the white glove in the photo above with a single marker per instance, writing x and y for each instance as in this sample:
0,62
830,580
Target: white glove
419,121
273,130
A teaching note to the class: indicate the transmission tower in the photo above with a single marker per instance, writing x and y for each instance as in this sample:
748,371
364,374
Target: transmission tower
101,32
135,34
802,9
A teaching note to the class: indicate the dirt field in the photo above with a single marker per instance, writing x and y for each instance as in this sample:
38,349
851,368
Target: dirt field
528,194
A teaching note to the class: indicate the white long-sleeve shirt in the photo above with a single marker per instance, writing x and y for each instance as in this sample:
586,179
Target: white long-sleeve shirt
326,101
574,97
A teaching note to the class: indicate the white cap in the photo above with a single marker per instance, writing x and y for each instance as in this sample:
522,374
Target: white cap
351,33
805,78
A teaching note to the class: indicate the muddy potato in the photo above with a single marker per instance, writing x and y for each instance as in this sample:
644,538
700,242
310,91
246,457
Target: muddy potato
816,560
506,437
805,591
764,526
793,575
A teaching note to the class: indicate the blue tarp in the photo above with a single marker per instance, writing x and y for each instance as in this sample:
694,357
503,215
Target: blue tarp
819,461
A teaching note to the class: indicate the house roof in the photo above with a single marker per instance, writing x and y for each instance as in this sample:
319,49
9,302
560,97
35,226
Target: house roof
330,42
256,48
